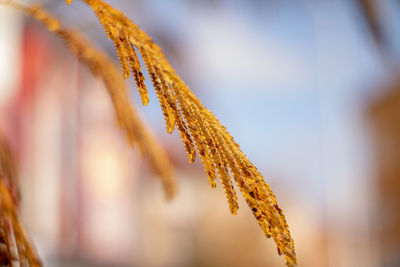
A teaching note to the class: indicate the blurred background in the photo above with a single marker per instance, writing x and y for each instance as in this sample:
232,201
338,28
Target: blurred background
309,89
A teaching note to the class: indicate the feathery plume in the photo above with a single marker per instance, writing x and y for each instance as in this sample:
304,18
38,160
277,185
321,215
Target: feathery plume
102,66
198,127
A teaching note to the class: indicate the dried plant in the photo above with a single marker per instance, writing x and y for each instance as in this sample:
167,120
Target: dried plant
199,129
14,245
197,126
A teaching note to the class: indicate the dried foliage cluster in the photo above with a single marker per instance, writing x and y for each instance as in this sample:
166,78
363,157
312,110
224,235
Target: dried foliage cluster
14,245
197,126
199,129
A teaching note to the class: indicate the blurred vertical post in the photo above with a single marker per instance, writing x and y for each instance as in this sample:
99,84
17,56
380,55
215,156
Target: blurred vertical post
385,121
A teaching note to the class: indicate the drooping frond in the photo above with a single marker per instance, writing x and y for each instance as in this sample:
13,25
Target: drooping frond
13,240
103,67
14,245
198,127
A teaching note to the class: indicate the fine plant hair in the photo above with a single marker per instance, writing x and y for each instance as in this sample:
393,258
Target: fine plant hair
199,129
